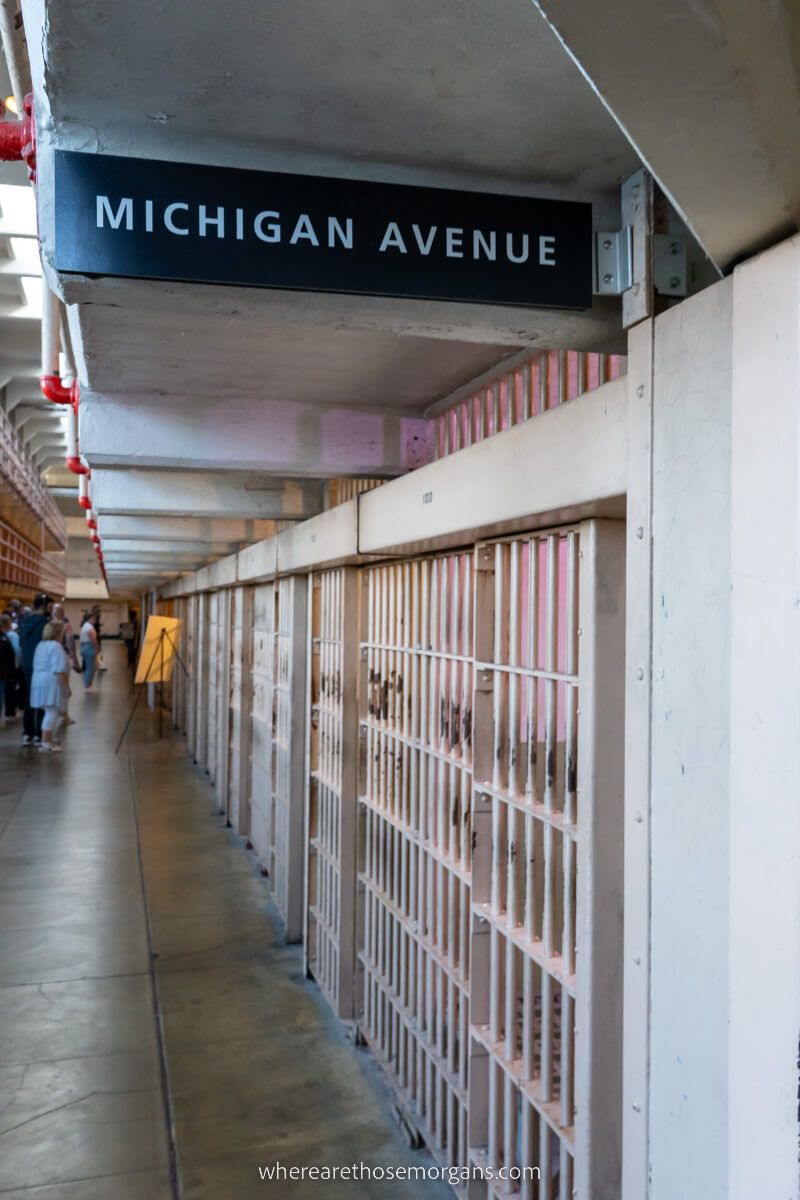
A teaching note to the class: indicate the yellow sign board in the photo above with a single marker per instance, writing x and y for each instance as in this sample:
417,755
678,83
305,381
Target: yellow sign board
159,648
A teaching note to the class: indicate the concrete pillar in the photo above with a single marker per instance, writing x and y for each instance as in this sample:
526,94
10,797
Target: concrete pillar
712,980
764,944
689,790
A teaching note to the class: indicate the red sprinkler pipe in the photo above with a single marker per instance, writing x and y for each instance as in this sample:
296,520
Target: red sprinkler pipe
18,138
84,499
53,389
74,463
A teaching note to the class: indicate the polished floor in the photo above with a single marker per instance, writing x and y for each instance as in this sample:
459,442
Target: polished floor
157,1039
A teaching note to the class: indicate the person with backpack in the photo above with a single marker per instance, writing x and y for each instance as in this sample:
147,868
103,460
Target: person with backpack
14,687
8,668
59,616
30,634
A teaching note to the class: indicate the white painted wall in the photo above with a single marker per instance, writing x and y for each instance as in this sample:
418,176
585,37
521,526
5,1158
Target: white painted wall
113,613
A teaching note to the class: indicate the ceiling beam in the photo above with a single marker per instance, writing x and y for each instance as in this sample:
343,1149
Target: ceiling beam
180,529
272,438
196,494
145,548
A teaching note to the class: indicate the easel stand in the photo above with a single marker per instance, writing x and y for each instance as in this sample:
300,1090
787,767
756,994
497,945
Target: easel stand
158,653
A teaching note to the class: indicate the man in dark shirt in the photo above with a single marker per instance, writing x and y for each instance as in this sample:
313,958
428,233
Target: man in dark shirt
30,634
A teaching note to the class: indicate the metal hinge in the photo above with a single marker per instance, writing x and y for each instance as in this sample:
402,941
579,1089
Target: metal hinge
670,265
635,262
614,272
613,262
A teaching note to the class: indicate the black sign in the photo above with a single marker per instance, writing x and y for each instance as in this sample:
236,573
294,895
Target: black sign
162,220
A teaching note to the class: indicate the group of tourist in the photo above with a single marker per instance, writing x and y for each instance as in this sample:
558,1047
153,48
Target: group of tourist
38,652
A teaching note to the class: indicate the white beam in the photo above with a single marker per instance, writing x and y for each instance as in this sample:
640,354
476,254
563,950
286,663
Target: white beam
194,529
250,435
302,314
86,588
566,464
13,370
26,413
145,547
194,494
181,563
44,436
21,382
145,570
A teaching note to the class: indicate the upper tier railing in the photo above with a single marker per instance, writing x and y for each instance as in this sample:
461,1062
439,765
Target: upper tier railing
24,568
19,473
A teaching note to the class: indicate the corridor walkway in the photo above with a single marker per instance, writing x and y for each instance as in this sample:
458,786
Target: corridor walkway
156,1037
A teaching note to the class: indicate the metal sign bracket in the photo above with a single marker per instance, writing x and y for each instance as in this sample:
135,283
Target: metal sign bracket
636,262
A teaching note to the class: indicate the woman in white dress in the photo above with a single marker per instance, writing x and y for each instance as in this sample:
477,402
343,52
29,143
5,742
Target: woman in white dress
50,683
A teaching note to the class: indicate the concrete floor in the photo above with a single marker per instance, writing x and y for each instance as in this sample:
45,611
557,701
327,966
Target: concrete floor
126,907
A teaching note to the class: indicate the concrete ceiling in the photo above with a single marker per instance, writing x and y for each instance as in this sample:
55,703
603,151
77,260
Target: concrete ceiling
244,386
258,391
457,87
709,94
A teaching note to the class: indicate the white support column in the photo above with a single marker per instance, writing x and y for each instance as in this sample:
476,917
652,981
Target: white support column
600,902
764,946
638,657
689,766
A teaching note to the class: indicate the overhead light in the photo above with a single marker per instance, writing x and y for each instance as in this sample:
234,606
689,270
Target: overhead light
32,291
26,254
17,210
11,105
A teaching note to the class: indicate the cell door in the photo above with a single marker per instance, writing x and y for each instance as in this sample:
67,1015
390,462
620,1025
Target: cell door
332,787
262,657
415,844
288,752
240,702
212,683
547,872
192,663
223,711
201,680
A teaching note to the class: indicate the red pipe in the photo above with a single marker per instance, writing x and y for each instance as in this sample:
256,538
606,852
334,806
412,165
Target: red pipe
53,389
18,138
18,141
